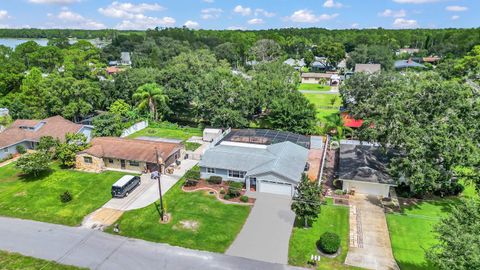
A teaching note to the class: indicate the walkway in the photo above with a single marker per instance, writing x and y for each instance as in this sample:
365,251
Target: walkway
370,245
97,250
266,233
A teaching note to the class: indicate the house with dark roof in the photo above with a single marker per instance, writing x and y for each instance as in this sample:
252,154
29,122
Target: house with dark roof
276,168
111,153
27,133
363,168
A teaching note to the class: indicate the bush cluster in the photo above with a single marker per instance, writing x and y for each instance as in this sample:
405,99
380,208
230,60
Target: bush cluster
66,197
190,183
244,198
227,197
215,180
21,149
329,242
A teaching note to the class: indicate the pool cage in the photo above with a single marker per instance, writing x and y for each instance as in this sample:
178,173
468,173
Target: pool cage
266,137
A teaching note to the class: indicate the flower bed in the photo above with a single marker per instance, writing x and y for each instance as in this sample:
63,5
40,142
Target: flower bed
220,189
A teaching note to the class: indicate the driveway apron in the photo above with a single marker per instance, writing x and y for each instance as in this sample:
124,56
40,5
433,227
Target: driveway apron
266,233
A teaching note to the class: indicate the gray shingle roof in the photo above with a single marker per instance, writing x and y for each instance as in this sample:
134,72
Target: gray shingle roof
365,163
285,159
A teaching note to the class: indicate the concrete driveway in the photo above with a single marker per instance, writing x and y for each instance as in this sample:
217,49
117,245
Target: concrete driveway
370,245
266,233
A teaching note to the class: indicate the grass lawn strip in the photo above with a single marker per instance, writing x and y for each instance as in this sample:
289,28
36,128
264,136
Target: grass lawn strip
38,198
168,130
314,87
192,146
303,241
14,261
323,104
199,221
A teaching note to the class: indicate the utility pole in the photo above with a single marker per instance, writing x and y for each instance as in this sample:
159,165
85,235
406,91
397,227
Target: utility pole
159,185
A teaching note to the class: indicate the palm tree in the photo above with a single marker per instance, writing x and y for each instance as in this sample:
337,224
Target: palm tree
150,96
336,127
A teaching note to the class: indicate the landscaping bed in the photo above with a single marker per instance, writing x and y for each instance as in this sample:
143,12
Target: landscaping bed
38,198
198,220
203,184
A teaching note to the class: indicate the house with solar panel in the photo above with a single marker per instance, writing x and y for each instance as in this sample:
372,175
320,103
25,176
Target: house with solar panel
263,160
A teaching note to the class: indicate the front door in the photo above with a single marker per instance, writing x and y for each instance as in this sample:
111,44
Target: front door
122,164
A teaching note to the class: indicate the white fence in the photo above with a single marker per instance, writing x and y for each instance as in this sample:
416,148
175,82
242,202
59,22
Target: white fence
136,127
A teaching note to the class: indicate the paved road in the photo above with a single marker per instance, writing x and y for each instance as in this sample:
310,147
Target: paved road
97,250
370,245
266,233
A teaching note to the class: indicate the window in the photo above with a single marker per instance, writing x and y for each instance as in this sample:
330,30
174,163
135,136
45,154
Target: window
110,161
134,163
87,159
236,174
5,150
210,170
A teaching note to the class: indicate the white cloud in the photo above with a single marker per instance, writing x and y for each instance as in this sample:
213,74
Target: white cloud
59,2
262,12
211,13
332,4
355,25
146,22
244,11
416,1
236,28
307,16
393,13
455,17
255,21
128,10
75,20
404,23
191,24
456,8
208,1
4,14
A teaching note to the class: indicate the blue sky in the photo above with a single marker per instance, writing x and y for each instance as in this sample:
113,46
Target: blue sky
239,14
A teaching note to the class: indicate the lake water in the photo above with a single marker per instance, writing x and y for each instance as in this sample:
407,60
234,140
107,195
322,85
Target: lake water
14,42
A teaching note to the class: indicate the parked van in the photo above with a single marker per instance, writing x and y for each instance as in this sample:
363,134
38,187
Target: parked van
125,186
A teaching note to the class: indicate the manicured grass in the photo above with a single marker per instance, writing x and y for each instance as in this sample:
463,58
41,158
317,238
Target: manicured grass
38,198
313,87
168,130
412,233
303,241
15,261
323,103
217,223
191,146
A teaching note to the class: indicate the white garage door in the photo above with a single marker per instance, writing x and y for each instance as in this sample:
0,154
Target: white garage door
371,189
276,187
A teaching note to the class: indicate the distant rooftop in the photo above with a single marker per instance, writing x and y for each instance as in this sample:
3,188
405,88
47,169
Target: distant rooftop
368,68
407,64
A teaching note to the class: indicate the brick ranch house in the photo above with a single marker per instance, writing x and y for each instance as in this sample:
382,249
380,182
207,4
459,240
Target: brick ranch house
128,154
27,133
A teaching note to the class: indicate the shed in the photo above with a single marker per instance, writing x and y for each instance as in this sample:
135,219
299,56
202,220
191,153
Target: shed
210,134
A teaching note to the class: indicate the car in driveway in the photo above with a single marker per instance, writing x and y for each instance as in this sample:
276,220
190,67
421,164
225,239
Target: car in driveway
125,186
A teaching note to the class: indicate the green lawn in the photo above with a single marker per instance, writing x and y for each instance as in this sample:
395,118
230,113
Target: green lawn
191,146
217,224
313,87
15,261
411,232
324,105
168,130
38,198
303,241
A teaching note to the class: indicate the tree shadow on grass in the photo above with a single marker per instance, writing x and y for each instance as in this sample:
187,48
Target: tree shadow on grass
32,178
414,266
446,204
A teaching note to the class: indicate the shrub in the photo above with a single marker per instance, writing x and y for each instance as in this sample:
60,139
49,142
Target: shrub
222,191
244,198
190,183
66,197
329,242
237,185
226,197
193,173
21,149
215,180
233,192
339,192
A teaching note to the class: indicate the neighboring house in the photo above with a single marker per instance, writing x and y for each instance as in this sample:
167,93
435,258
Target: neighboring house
210,134
368,68
405,64
296,64
363,168
125,59
128,154
327,78
319,65
28,133
112,70
432,60
113,63
275,168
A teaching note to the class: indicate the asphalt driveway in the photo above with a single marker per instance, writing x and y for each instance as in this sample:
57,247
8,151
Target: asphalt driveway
370,245
266,233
